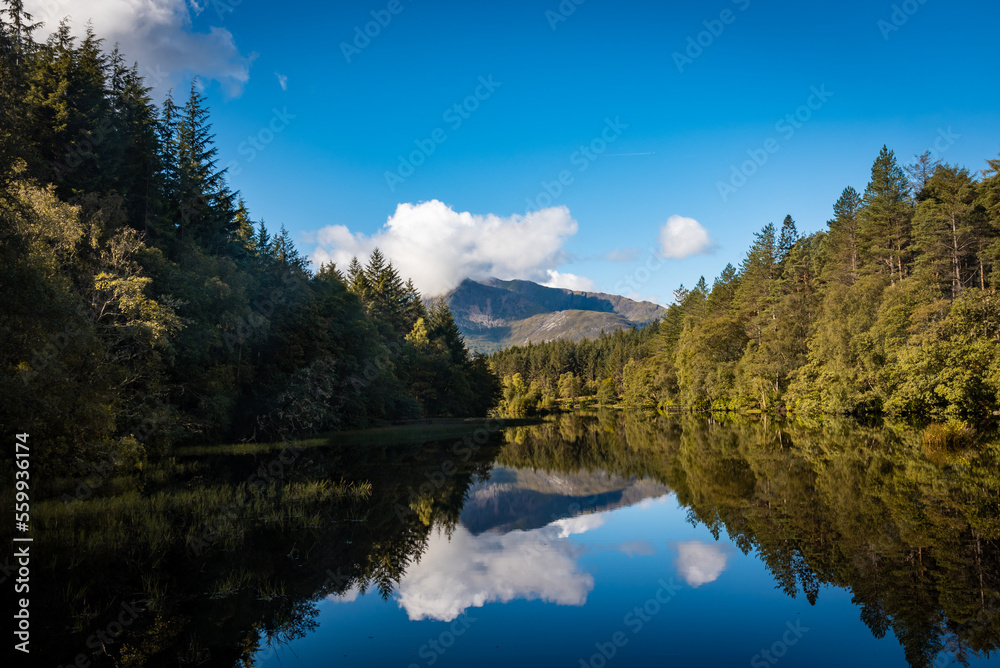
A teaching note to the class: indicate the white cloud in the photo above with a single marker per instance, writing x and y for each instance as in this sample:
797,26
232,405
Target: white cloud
682,237
469,571
699,563
159,34
282,81
349,596
568,281
437,246
579,524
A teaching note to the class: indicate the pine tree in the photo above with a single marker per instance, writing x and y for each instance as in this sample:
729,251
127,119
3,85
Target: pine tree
356,281
205,207
757,273
137,166
844,238
789,235
945,230
386,297
886,217
921,171
441,326
284,252
16,49
988,243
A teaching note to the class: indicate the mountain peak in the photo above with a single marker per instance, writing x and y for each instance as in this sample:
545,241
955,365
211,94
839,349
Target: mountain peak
494,313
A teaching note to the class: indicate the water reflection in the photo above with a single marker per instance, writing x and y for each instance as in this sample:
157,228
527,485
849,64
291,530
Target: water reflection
910,529
699,563
466,571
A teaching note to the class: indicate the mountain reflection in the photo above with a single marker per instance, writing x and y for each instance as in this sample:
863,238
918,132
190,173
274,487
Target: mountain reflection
908,527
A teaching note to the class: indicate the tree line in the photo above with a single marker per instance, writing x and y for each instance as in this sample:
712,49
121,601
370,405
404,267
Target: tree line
142,304
891,309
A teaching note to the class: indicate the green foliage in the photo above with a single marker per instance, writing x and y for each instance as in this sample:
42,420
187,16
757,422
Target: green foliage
519,398
639,388
143,305
606,394
569,386
890,310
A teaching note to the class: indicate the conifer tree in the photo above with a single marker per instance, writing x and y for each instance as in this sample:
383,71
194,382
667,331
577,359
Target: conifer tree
16,49
945,230
205,207
789,235
886,217
921,171
844,238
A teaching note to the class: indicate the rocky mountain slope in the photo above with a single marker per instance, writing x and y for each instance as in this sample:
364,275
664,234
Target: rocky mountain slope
494,314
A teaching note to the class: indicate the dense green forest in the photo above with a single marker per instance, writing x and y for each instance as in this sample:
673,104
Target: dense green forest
142,306
892,309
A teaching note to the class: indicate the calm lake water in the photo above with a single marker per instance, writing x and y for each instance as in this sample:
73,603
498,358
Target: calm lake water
587,540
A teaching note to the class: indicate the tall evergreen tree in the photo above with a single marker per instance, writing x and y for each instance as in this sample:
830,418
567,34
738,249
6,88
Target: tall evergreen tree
204,205
945,229
921,171
886,217
16,48
844,239
787,238
989,238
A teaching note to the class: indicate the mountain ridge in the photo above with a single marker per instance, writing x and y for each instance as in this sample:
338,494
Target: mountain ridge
494,313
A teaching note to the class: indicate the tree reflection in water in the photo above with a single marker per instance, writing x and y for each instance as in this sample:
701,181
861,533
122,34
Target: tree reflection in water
908,526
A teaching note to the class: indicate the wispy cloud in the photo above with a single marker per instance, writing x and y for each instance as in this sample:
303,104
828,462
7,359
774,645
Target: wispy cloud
621,255
282,81
637,548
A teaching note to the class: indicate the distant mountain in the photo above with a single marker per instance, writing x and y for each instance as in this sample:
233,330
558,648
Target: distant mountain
494,314
521,500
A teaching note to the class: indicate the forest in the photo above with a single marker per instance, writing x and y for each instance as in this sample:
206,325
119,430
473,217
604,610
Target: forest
144,307
892,309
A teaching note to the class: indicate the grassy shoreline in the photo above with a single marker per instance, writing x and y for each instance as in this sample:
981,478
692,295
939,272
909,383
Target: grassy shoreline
402,433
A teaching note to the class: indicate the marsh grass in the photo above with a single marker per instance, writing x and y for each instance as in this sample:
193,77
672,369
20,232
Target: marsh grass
943,441
144,526
231,584
397,434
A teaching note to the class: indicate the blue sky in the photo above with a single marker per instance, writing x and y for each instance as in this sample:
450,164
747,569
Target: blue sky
558,75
